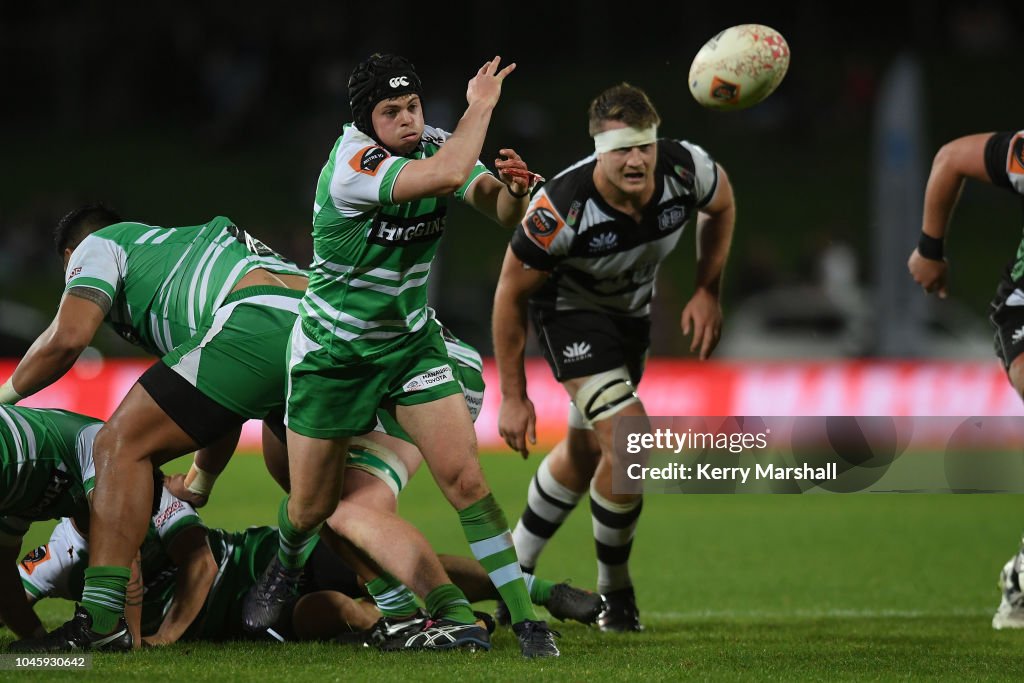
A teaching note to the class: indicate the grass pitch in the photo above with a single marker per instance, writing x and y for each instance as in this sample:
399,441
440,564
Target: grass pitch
730,587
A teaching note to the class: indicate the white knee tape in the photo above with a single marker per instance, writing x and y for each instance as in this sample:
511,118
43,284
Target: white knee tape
576,419
379,461
605,394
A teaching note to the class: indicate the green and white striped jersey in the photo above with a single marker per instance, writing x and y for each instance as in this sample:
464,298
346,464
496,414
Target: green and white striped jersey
57,569
165,283
368,284
46,467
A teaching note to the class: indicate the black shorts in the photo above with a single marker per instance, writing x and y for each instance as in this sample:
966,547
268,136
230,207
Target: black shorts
197,414
1008,320
584,343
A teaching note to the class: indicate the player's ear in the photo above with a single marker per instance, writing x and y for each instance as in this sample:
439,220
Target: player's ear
67,256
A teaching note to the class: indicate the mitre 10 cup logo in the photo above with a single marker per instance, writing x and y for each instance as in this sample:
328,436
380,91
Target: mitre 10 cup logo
542,223
368,160
35,558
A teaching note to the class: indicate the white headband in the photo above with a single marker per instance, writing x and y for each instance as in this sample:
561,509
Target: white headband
618,138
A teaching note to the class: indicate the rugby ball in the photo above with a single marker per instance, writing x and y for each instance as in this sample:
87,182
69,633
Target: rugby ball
739,67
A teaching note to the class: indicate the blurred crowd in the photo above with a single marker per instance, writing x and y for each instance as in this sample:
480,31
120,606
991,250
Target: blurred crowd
176,111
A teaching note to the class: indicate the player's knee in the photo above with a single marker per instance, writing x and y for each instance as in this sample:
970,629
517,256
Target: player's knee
606,394
465,486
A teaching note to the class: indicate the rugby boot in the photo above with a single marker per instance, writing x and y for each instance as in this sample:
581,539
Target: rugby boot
536,639
77,635
263,605
620,614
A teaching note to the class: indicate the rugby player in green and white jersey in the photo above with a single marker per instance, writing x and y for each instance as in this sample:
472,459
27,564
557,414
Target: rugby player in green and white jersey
209,299
46,472
363,340
380,464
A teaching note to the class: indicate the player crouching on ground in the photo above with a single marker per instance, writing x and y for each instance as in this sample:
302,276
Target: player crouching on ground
195,577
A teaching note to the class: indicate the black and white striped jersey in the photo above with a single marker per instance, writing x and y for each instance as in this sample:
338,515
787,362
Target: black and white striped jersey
599,258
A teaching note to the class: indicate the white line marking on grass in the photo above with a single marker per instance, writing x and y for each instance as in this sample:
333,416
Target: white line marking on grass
835,613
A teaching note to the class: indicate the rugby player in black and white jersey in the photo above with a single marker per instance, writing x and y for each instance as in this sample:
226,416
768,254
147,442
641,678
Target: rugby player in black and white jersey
996,158
585,259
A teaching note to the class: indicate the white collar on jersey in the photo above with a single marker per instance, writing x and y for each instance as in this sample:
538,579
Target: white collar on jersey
618,138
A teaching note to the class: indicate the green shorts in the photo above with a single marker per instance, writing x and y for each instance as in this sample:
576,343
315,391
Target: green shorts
240,359
331,396
470,380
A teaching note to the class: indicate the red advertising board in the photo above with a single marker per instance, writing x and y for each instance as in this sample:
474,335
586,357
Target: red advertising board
669,387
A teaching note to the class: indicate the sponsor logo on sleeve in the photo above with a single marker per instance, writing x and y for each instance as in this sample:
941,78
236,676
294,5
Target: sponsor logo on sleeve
685,174
574,212
542,222
35,558
368,160
75,272
431,378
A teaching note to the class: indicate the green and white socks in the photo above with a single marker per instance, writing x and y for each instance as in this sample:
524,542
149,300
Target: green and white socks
490,540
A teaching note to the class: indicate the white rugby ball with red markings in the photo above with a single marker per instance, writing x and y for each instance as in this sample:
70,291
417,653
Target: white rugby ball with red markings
739,67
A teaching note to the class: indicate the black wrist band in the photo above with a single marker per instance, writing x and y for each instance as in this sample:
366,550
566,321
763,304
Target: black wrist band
929,247
517,196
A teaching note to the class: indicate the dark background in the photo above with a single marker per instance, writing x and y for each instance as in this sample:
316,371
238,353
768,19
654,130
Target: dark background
177,112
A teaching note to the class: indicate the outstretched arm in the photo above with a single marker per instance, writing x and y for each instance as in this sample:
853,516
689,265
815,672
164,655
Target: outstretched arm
448,170
80,314
703,313
955,162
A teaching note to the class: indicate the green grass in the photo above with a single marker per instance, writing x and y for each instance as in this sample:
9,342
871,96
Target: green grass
730,587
